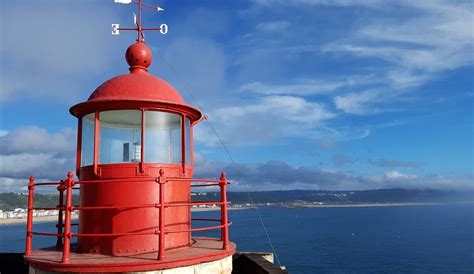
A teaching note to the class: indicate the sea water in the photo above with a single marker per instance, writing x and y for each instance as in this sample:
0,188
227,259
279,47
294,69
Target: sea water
391,239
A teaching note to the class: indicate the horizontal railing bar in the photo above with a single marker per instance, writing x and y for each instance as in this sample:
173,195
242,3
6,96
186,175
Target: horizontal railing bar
48,208
47,184
130,233
206,219
131,207
194,203
205,185
193,180
112,234
113,207
47,234
124,180
62,225
195,229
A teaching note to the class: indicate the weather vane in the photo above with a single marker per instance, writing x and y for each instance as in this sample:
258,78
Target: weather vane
138,21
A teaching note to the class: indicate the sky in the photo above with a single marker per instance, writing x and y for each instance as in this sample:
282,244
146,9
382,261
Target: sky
305,94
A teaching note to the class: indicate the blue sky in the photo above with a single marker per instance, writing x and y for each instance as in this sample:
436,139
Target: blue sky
307,94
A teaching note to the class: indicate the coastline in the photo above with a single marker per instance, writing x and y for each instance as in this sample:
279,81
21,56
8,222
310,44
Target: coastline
371,205
202,209
42,219
35,220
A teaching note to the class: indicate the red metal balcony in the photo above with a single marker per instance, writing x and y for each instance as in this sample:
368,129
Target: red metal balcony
65,209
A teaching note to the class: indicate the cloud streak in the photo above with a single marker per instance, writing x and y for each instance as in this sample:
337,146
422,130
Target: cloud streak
33,151
395,164
270,119
276,175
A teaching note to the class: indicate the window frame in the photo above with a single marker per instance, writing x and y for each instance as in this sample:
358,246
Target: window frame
142,164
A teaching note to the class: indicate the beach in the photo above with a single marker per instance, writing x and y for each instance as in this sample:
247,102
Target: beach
74,217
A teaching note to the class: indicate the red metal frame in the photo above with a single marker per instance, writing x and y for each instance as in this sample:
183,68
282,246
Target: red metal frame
29,220
64,230
79,145
96,140
142,164
183,143
142,147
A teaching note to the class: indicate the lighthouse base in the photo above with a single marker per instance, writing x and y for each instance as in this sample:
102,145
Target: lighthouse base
204,255
222,266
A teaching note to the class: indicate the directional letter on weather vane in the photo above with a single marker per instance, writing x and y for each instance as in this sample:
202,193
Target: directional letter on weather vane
138,21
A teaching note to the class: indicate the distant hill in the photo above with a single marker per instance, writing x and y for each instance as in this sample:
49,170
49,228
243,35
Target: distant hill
10,201
348,197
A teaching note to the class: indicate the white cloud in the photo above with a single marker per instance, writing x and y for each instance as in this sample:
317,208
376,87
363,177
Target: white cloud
50,48
438,38
269,119
13,185
306,87
273,26
385,163
33,139
416,42
33,151
356,103
41,165
396,175
343,3
275,175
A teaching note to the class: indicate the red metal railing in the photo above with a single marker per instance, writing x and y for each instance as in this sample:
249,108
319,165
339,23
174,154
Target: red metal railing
64,233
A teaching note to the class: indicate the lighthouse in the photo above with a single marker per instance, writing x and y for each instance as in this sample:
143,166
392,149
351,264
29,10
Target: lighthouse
134,169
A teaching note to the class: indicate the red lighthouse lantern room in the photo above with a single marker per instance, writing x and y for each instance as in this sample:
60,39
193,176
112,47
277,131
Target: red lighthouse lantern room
135,169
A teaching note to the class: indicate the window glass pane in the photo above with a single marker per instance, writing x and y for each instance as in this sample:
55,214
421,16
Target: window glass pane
188,141
87,146
120,136
162,137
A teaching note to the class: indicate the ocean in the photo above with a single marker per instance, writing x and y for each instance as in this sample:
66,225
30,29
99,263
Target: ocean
392,239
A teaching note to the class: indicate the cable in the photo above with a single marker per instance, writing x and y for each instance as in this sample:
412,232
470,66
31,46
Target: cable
234,165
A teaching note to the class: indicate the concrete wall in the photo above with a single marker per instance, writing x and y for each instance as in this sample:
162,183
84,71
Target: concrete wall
223,266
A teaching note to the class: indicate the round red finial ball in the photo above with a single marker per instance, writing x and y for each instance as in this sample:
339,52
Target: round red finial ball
138,56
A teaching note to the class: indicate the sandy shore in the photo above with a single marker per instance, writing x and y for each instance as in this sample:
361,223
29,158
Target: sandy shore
74,217
35,220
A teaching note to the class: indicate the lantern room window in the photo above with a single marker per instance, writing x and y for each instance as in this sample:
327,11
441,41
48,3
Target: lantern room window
188,141
120,136
87,147
162,137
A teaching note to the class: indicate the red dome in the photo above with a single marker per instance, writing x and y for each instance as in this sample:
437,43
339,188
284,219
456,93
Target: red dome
136,90
137,86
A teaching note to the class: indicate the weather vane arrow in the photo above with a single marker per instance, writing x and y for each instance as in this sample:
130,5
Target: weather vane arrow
137,20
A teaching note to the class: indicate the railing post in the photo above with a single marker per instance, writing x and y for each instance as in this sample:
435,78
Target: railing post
225,227
29,221
161,248
67,225
59,225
